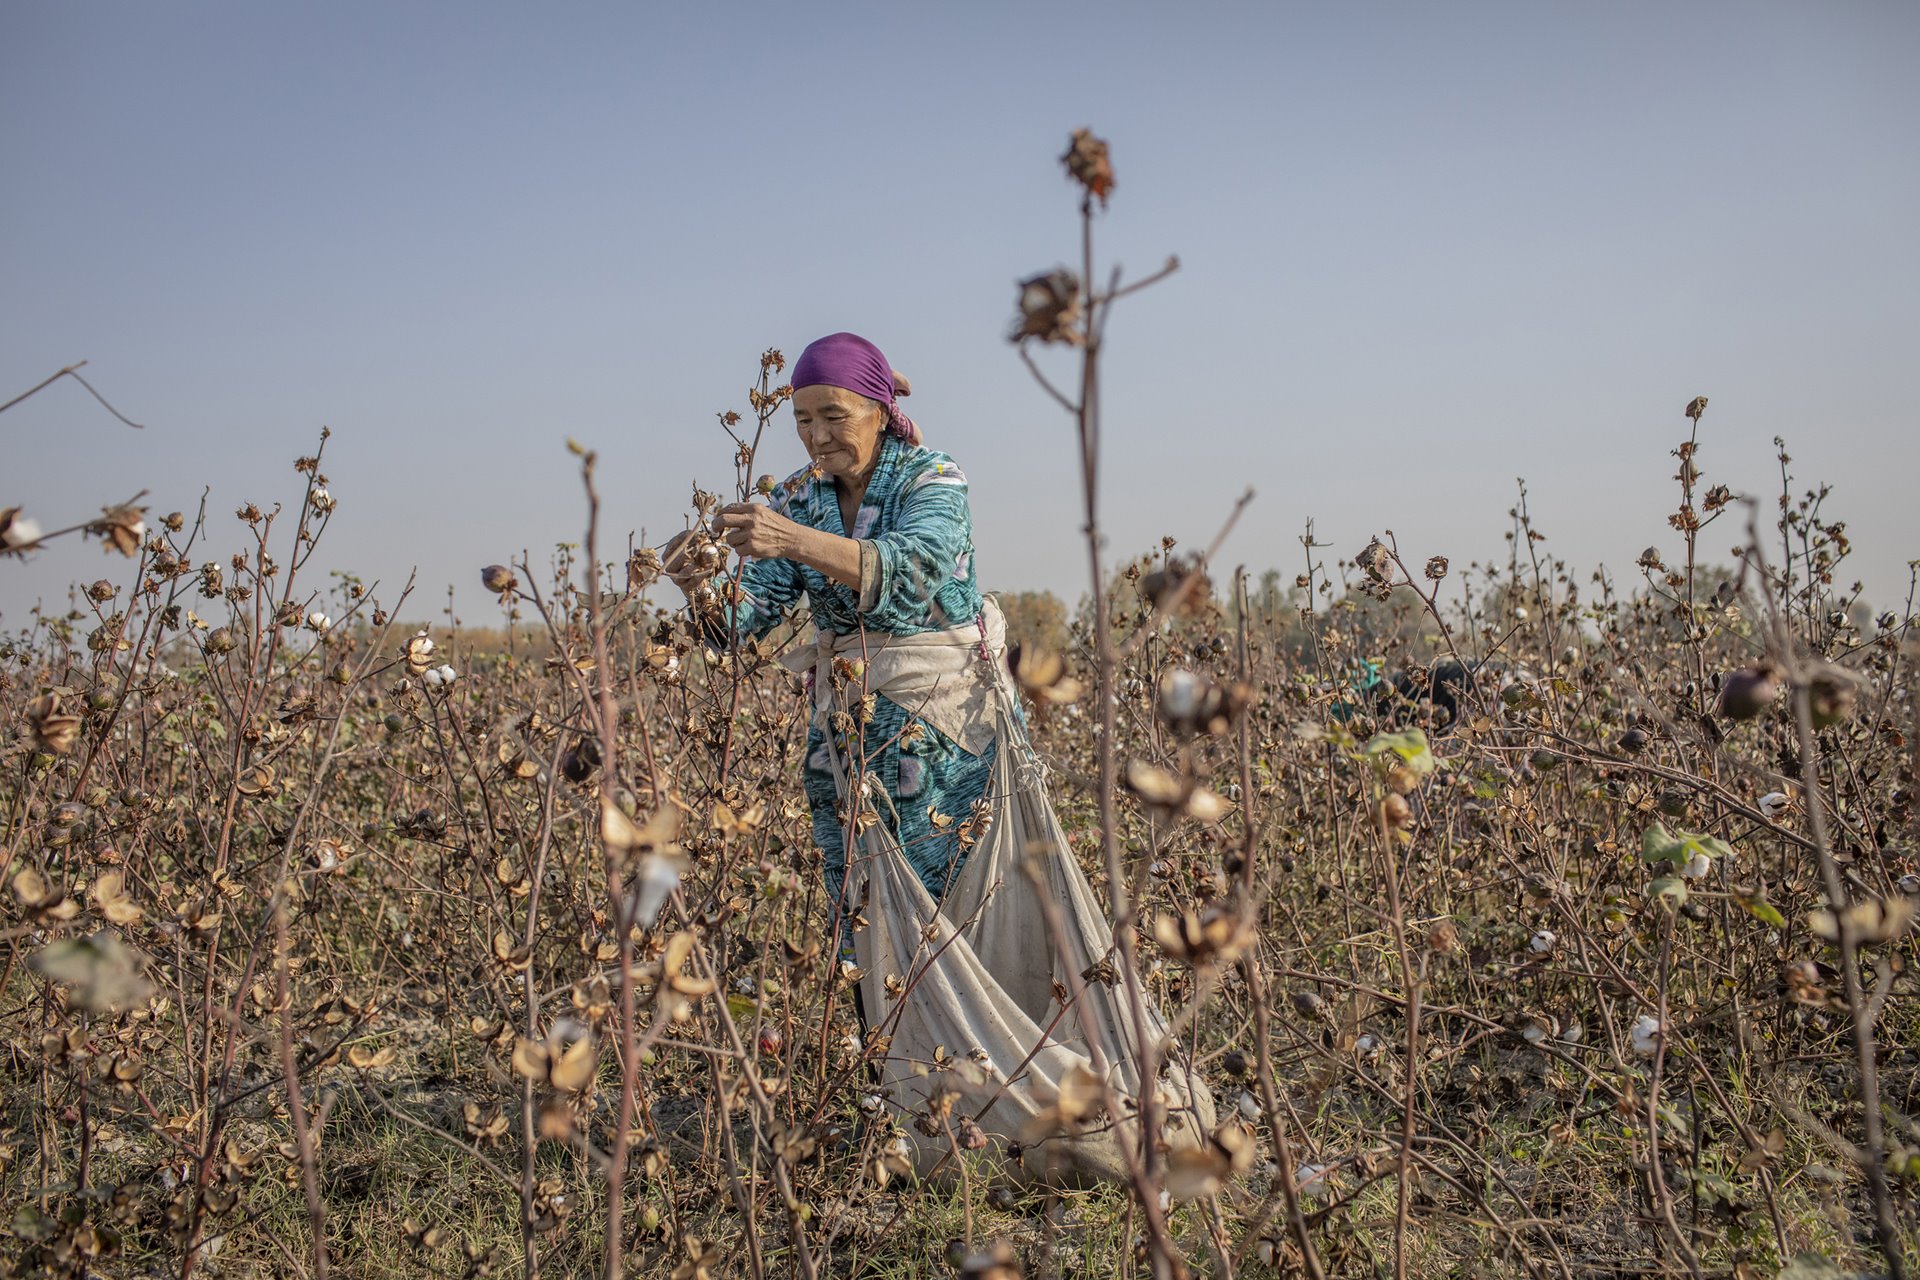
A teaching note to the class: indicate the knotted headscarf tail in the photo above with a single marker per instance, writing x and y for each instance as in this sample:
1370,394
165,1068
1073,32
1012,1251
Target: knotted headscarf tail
850,362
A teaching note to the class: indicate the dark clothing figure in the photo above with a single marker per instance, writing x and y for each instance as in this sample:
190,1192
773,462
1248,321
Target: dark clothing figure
1432,697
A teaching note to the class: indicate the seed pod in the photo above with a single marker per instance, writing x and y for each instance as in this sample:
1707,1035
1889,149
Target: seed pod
1747,692
1832,695
1049,307
1090,164
55,729
1375,560
419,653
1395,810
580,760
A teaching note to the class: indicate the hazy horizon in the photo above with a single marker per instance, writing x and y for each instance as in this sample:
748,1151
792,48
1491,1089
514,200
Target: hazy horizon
1424,252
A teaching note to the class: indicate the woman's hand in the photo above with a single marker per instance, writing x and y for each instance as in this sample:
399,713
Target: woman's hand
757,530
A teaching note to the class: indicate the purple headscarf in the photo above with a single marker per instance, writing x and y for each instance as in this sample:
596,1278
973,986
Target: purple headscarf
850,362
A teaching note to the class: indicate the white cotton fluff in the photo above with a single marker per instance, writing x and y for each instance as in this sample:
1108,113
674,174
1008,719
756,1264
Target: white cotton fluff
1248,1106
24,531
1645,1035
1697,866
1542,942
1573,1033
319,621
659,877
1314,1180
1773,804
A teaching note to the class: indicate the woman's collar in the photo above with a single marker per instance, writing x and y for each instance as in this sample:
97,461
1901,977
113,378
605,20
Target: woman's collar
886,458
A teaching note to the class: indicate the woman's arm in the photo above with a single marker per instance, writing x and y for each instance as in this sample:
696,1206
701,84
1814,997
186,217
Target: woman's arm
767,589
926,547
756,530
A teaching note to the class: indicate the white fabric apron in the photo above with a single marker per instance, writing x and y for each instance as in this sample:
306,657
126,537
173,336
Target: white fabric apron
979,969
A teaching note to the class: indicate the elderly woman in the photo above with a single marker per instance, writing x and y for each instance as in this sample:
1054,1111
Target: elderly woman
876,533
917,730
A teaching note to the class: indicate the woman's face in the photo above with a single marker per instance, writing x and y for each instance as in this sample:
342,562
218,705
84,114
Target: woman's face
841,429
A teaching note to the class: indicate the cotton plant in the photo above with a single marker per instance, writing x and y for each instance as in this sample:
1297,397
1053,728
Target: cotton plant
1679,856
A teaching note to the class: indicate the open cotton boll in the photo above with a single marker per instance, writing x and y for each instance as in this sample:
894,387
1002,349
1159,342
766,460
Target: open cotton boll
319,621
659,877
21,531
1774,803
1645,1035
1248,1106
446,673
1542,942
432,678
1314,1180
1697,866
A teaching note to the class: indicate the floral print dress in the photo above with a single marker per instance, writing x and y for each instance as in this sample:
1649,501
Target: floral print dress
917,576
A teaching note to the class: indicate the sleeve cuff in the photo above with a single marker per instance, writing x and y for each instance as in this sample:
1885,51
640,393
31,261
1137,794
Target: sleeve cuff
869,575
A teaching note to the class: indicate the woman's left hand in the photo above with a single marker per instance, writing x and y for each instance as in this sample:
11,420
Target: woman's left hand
757,530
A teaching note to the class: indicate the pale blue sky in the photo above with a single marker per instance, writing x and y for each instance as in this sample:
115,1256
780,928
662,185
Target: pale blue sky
1428,248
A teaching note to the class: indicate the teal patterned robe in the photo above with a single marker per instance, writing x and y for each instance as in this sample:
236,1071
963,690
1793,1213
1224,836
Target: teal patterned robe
920,578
